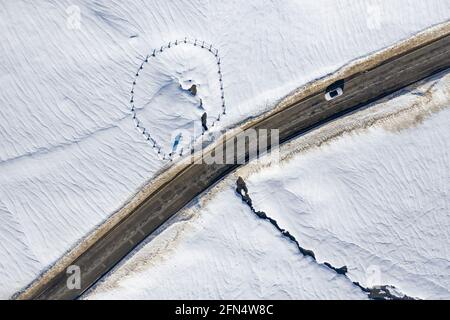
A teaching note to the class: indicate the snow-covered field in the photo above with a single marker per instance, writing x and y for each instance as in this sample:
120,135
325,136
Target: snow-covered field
377,202
70,153
369,191
222,252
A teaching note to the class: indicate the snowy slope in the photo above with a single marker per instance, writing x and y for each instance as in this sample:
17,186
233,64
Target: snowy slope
222,252
378,203
369,191
70,154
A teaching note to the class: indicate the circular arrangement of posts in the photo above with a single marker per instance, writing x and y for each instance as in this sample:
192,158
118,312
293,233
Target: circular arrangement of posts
139,125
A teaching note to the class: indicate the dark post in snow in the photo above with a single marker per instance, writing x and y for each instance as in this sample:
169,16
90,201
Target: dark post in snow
204,119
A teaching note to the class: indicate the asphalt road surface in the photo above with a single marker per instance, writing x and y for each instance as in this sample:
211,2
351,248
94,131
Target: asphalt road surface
360,89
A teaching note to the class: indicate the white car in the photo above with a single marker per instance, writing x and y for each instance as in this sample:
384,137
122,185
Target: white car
334,93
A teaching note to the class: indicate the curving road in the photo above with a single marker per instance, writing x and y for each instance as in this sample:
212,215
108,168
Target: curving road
360,89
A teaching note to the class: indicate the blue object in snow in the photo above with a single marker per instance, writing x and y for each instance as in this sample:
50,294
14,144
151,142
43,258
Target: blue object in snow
178,138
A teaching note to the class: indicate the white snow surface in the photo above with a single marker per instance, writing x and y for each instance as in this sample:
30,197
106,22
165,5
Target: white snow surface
375,198
378,203
165,107
222,252
70,154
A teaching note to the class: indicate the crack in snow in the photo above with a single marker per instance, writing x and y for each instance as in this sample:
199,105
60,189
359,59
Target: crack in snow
383,292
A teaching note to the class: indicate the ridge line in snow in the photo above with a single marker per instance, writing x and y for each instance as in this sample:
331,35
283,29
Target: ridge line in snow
376,293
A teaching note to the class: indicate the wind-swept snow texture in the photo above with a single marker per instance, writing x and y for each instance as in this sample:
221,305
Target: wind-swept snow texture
175,87
222,252
70,153
377,202
369,191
